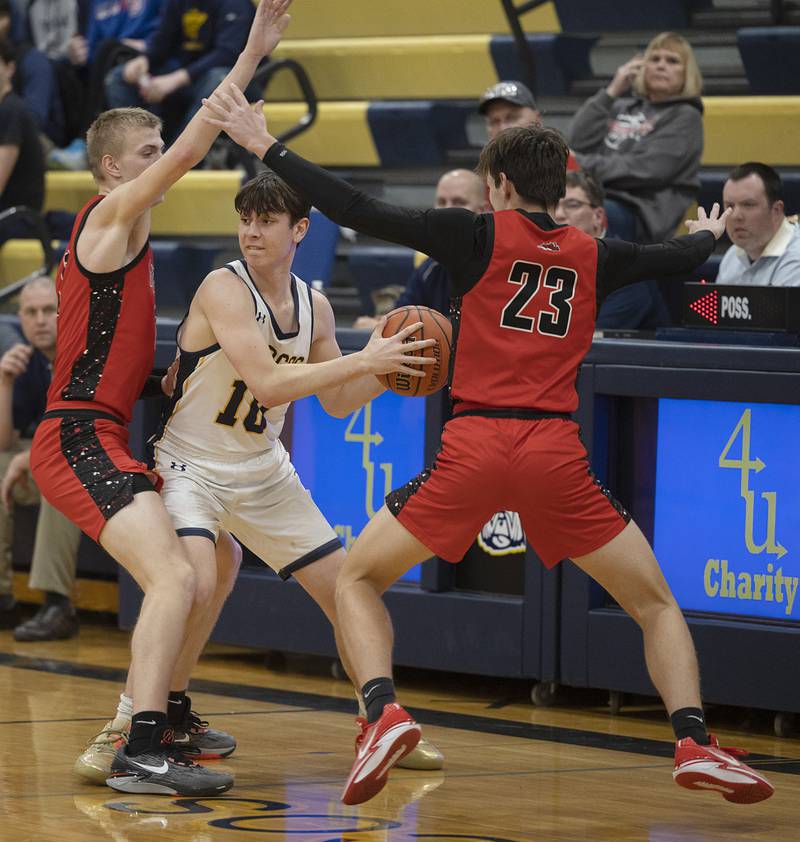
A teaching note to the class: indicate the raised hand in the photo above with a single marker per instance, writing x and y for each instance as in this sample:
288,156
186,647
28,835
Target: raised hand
244,123
625,76
714,222
15,362
268,26
391,354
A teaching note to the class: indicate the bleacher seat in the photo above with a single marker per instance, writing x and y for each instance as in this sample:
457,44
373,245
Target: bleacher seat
624,15
313,261
771,58
560,59
373,267
368,18
200,204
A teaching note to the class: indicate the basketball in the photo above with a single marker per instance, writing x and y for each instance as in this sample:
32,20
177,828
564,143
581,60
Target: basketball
434,326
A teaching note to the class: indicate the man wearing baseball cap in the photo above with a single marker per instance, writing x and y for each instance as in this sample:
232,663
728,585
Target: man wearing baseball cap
510,103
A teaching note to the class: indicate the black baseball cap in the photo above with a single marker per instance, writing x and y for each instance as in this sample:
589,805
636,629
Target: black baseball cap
509,91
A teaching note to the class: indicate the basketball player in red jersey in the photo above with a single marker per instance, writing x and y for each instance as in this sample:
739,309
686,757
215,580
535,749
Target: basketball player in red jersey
80,457
526,293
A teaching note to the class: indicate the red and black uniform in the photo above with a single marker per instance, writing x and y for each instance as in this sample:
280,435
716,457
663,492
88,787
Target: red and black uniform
105,347
525,295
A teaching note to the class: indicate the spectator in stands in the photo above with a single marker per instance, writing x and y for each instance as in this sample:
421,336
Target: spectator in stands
115,32
766,247
34,79
645,148
508,104
25,371
193,48
21,157
429,284
582,205
52,24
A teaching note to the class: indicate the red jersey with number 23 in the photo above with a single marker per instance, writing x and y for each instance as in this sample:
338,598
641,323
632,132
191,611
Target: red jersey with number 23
528,322
106,331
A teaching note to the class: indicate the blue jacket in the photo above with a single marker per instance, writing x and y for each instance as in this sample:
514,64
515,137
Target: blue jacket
199,35
119,19
429,286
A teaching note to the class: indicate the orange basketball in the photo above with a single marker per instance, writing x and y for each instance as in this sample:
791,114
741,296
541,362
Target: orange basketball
434,326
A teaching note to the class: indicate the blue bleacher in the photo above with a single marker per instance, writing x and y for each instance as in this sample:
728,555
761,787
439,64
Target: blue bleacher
625,15
373,267
560,59
771,58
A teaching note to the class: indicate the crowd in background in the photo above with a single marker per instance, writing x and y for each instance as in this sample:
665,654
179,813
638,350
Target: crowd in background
634,173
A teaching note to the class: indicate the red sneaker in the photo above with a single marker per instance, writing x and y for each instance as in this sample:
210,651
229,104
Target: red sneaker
378,747
712,767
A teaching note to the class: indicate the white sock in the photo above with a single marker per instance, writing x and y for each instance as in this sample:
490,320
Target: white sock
362,711
125,707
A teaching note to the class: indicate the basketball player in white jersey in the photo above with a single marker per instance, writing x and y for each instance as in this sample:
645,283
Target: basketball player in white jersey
224,468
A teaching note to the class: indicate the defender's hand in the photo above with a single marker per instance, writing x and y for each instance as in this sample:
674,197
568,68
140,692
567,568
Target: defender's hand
715,222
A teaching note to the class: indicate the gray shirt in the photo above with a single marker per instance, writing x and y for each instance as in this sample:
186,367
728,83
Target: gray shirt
645,154
778,266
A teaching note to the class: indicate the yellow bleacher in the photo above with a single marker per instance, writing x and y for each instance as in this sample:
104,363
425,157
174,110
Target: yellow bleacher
430,67
371,18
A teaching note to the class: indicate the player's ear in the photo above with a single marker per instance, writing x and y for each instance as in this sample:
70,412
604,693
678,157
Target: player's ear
300,229
108,164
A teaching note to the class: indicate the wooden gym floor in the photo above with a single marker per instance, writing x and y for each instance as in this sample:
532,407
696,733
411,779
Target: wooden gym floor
513,771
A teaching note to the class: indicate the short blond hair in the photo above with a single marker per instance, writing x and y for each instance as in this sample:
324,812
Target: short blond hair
692,79
106,135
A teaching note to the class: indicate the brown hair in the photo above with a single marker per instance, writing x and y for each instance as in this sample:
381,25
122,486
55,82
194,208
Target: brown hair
268,193
590,186
692,78
534,160
106,135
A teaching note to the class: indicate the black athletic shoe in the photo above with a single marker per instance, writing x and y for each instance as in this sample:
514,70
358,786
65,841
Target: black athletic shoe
165,769
194,732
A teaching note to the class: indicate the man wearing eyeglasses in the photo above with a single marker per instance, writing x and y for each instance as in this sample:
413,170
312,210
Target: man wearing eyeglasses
582,205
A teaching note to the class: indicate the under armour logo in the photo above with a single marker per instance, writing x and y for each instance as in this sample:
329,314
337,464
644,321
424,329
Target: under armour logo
176,467
261,318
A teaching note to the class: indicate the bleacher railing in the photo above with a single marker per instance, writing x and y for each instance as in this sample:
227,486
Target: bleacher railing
514,14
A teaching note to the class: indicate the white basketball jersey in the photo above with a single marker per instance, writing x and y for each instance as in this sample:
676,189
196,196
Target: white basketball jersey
212,412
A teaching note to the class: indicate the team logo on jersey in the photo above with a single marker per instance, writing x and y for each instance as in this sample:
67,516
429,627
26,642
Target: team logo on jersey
549,246
502,535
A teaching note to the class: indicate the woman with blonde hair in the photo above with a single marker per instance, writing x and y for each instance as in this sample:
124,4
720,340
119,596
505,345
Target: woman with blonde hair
642,139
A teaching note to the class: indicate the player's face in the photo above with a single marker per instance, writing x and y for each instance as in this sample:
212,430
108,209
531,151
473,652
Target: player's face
576,209
461,189
502,115
38,312
269,239
753,220
143,147
664,74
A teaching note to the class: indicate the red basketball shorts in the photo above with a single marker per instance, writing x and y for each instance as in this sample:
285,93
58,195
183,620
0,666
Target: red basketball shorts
538,468
83,467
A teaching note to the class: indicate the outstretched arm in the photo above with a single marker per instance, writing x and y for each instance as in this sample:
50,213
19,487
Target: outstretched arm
341,400
130,200
447,235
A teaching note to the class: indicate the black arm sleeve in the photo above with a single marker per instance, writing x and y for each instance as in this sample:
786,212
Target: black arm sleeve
454,237
620,263
152,386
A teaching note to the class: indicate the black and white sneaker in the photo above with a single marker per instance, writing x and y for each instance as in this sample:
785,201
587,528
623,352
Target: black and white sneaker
165,769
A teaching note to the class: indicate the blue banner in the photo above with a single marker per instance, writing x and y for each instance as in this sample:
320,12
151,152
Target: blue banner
727,506
349,465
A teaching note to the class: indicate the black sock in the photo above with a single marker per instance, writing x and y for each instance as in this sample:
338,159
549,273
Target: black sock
143,726
176,706
690,722
376,693
53,598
